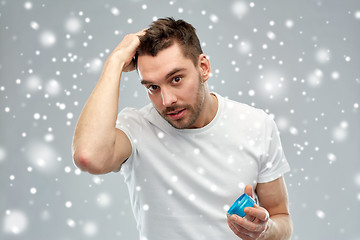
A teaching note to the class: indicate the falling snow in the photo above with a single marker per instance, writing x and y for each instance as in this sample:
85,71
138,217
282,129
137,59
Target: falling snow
15,222
299,67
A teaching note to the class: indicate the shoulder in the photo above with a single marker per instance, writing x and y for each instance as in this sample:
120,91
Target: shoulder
131,115
134,112
247,117
244,111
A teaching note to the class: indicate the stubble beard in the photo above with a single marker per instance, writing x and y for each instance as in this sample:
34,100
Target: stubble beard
193,112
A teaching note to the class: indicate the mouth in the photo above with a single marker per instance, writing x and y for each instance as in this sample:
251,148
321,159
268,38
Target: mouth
176,115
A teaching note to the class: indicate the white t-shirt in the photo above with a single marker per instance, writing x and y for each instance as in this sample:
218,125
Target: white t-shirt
182,181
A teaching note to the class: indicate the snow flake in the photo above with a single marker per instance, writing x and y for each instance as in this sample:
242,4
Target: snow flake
271,35
251,93
68,204
53,87
213,188
196,151
340,132
322,55
335,75
104,200
34,25
226,208
192,197
241,185
115,11
289,23
174,178
90,229
33,190
214,18
315,78
71,223
33,83
269,165
200,170
15,222
97,180
94,66
294,131
37,116
331,157
357,14
2,154
357,179
28,5
73,25
245,47
161,135
146,207
47,39
239,9
320,214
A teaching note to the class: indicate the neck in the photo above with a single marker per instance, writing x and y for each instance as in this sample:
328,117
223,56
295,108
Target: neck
209,109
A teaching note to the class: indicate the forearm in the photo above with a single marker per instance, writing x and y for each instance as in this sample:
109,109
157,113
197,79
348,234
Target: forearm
95,131
279,228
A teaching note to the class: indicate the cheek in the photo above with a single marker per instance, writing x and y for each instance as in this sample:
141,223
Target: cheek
155,99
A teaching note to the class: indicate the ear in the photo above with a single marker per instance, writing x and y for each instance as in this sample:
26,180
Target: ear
205,68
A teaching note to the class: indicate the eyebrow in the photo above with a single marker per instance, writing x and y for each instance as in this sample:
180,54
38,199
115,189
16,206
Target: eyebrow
172,72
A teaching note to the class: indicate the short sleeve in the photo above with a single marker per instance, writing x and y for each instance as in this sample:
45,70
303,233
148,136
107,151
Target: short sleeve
273,160
129,121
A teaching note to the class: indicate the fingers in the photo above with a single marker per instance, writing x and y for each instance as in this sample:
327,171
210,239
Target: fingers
126,50
248,190
244,223
141,33
257,212
240,232
252,225
244,228
130,66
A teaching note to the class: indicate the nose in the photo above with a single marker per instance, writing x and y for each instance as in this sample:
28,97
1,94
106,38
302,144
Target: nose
168,97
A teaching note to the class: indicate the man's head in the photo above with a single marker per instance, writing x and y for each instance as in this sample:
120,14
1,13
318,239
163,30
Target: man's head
174,71
165,32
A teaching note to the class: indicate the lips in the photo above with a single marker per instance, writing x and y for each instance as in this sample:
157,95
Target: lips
175,115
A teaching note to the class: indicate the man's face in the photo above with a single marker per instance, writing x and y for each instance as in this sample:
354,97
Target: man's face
175,86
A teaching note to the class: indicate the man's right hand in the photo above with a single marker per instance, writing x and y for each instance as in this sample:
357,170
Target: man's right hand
98,147
126,50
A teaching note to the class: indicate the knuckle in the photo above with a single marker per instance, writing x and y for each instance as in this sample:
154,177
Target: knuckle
127,36
253,228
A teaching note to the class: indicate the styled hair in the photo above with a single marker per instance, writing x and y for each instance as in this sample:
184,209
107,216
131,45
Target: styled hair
164,32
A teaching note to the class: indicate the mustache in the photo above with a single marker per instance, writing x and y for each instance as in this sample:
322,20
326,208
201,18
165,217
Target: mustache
174,108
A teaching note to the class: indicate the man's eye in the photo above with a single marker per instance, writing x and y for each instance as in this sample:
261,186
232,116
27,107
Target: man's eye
176,79
153,88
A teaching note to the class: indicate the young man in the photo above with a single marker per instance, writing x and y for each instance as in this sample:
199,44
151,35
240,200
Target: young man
188,155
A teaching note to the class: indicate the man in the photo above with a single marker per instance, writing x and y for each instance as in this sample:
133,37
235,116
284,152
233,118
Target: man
189,155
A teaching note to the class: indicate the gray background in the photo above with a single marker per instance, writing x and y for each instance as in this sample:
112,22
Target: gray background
298,60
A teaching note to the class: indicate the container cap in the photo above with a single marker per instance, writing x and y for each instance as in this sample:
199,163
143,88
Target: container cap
240,204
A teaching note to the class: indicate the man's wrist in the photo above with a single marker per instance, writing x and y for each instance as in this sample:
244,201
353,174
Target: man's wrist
265,233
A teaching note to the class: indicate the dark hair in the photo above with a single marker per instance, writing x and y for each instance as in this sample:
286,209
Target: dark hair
162,34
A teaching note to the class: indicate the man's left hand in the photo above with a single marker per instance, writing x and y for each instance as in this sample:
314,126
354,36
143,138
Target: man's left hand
253,224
